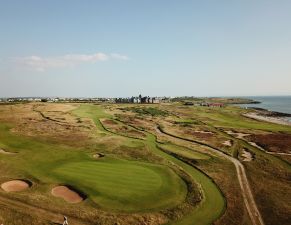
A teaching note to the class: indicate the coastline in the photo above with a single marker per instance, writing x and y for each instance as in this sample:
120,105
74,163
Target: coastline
280,104
268,118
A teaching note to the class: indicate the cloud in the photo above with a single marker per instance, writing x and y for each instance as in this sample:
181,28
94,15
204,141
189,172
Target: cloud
118,56
41,64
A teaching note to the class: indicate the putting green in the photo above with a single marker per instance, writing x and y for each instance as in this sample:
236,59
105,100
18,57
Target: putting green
125,185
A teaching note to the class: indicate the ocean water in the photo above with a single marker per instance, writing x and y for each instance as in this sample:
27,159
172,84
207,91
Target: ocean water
272,103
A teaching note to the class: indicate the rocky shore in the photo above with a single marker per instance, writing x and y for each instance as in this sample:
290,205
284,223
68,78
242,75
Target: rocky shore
269,116
271,113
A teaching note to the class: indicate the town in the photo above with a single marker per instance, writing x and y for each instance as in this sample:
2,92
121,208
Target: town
187,101
134,100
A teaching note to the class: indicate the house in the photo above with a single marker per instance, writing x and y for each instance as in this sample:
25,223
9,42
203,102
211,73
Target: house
216,105
141,100
204,104
156,100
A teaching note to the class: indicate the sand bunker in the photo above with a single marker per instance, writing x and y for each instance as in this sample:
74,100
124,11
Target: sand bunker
227,143
203,132
98,155
67,194
15,185
255,145
247,156
2,151
237,135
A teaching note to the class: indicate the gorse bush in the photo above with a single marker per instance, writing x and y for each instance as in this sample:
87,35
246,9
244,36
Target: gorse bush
149,111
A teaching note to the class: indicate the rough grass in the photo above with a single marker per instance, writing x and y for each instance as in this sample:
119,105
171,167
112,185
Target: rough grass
148,111
121,129
10,216
273,142
269,175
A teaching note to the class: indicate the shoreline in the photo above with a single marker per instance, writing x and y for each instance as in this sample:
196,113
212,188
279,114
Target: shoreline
272,118
270,112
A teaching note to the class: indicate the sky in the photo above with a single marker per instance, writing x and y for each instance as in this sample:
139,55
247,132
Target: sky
83,48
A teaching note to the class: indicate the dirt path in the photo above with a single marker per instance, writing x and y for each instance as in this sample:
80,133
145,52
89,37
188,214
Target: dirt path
278,153
249,200
272,153
45,214
250,203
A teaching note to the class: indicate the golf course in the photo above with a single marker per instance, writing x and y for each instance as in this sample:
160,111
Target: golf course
124,164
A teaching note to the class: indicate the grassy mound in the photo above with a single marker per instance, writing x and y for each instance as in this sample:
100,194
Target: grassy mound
125,185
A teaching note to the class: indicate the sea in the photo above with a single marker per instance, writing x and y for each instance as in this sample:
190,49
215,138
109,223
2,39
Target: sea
272,103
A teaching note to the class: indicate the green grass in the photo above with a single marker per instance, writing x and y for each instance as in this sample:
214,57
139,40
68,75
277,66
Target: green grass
213,203
93,112
183,151
125,186
231,117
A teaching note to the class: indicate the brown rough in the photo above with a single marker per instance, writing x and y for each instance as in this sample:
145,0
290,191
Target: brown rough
278,143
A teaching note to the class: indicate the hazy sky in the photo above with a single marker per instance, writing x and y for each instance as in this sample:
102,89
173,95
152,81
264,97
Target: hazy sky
152,47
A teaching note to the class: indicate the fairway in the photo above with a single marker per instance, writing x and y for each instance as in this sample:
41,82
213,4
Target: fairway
124,185
184,152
